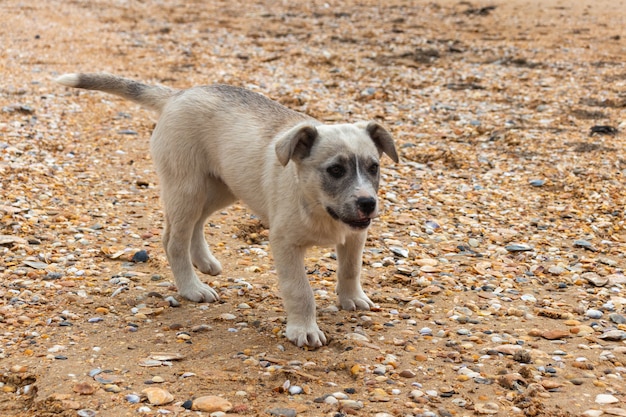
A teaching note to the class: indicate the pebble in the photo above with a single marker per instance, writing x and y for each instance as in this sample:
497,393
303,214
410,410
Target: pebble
487,408
584,244
133,398
173,302
402,252
617,318
518,248
211,403
593,314
140,256
606,399
295,390
595,279
352,404
282,412
592,413
613,335
84,388
158,396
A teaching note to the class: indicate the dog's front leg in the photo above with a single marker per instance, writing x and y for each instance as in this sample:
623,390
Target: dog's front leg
297,295
350,259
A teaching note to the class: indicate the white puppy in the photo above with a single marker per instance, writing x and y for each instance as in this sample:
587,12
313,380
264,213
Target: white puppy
311,183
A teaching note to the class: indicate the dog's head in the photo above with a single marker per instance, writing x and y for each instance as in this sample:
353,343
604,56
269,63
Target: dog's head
338,166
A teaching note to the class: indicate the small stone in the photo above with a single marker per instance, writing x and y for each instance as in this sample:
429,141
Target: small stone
617,318
415,394
133,398
606,399
555,334
340,395
353,404
283,412
404,253
592,413
593,313
84,388
330,399
582,330
584,244
158,396
295,390
166,356
357,336
487,408
18,369
426,331
140,256
537,183
105,378
556,270
507,349
595,279
173,302
407,373
617,279
613,335
211,403
150,363
518,248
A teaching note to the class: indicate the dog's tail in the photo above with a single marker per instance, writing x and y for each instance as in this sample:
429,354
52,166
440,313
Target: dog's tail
150,96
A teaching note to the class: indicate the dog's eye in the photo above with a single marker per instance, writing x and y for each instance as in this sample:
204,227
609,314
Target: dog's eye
336,171
373,169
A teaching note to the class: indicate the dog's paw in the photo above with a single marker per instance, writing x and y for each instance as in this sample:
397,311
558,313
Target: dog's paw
310,336
207,264
200,293
358,301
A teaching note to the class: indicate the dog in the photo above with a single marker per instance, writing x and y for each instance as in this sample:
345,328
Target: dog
310,183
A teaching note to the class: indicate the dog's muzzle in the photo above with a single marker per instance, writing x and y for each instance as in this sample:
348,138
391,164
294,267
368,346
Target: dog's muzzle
366,210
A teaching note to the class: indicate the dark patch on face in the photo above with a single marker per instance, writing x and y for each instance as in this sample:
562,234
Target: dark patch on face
340,177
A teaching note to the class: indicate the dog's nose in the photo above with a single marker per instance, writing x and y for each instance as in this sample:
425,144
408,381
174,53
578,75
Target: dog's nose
366,204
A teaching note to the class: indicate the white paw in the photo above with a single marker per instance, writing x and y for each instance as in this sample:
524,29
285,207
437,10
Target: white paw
357,301
310,335
207,264
200,293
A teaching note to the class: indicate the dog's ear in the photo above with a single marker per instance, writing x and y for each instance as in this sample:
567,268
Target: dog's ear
296,143
383,140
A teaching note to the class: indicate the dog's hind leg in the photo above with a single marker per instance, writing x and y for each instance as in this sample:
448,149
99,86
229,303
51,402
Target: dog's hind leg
186,209
218,196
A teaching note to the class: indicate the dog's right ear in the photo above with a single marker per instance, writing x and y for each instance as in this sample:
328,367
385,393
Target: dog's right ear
296,143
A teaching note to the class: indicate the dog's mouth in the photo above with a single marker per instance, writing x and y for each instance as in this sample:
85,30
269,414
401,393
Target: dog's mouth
362,223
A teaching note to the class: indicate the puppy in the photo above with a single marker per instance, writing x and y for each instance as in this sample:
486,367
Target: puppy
311,183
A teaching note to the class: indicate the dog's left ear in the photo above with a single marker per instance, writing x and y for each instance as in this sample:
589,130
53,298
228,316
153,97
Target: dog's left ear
296,143
383,140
